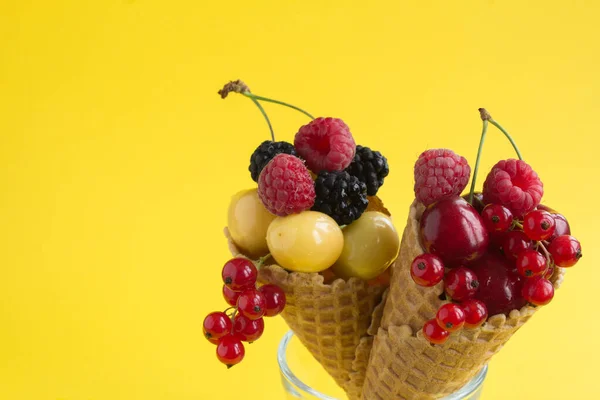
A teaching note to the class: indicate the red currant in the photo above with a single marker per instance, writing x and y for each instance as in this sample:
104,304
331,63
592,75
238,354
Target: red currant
252,304
538,291
538,225
514,243
248,330
450,317
496,218
531,263
435,333
239,274
230,296
549,271
215,326
475,313
275,299
230,350
427,270
461,284
565,251
561,227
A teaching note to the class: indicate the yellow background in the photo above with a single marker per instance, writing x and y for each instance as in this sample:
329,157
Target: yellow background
118,159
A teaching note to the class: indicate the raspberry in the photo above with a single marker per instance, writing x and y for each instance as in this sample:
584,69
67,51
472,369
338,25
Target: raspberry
515,185
440,173
325,144
369,167
340,195
285,186
265,153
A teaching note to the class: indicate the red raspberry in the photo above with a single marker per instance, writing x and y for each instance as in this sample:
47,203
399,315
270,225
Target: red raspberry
440,173
325,144
285,186
515,185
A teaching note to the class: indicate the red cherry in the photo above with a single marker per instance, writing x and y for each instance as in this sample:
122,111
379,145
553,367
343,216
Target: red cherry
450,317
565,251
252,304
538,225
239,273
275,299
248,330
475,313
230,350
427,270
531,263
215,326
435,333
461,284
496,218
230,296
514,243
561,227
538,291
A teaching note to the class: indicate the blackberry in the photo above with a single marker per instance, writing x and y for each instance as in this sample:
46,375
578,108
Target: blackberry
340,195
265,153
369,167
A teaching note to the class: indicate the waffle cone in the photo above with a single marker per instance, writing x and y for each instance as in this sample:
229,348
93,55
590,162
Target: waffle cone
403,364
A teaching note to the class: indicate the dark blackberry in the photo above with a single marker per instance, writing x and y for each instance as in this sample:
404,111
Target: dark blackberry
265,153
340,195
369,167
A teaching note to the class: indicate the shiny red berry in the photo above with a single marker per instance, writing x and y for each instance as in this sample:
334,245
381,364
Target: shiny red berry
435,333
230,296
531,263
450,317
475,313
538,291
247,329
427,270
496,218
275,299
565,251
215,326
252,304
538,225
239,274
514,243
461,284
561,227
230,350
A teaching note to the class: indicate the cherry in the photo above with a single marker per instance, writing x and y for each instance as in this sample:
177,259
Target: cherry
461,284
427,270
435,333
475,313
230,296
538,225
450,317
561,227
497,218
514,243
453,230
538,291
565,251
215,326
531,263
252,304
239,273
230,350
248,330
275,299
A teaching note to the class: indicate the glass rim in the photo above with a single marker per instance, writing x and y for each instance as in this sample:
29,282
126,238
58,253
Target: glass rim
472,386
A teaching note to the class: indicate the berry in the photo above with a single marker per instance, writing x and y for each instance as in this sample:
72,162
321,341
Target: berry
565,251
461,284
561,227
450,317
341,196
440,173
275,299
248,330
230,350
514,243
239,273
370,167
252,304
434,333
496,218
515,185
265,153
538,291
475,313
230,296
549,271
325,144
285,186
215,326
538,225
427,270
531,263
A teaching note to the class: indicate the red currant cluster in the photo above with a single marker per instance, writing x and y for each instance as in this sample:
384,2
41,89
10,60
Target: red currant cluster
243,322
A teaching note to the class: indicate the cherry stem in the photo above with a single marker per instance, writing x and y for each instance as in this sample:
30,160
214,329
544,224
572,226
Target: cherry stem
262,110
255,97
479,151
510,139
